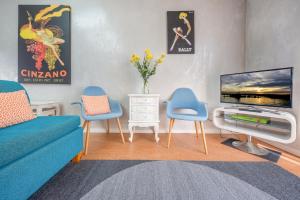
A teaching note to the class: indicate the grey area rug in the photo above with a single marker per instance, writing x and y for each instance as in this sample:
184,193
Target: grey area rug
166,180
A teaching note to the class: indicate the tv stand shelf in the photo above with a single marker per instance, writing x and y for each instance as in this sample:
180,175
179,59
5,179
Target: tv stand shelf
281,127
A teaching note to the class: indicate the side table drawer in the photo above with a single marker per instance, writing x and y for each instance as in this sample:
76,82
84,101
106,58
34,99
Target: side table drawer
143,109
144,100
143,116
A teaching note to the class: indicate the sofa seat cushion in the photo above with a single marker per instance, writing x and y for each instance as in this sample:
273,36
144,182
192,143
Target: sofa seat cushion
19,140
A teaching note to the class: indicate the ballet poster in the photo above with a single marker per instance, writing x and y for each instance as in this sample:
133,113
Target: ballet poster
181,32
44,44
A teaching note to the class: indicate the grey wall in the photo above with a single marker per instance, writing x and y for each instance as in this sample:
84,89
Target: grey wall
273,40
105,33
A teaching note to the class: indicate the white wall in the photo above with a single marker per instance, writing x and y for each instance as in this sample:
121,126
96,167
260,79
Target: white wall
105,33
273,41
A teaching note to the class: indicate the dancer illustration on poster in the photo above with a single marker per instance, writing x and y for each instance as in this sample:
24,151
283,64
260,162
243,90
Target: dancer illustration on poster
181,27
43,41
179,32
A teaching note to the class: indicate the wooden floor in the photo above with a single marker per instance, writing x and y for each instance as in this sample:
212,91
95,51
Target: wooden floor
183,147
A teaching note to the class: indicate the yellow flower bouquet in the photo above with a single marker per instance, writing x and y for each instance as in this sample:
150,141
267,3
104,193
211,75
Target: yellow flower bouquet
146,67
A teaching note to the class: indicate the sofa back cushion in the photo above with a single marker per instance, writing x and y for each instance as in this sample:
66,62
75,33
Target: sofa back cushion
96,105
15,108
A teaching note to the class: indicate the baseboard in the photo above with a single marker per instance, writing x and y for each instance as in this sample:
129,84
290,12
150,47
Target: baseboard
286,148
148,130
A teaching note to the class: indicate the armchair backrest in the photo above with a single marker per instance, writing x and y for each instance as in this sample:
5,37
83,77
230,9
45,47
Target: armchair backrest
93,91
11,86
184,98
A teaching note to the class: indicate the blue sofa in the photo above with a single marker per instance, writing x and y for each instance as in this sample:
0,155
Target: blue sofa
33,151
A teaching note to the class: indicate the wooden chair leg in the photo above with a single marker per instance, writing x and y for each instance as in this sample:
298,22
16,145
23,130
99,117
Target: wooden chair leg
121,132
77,158
87,134
171,124
203,137
84,124
197,131
169,133
107,126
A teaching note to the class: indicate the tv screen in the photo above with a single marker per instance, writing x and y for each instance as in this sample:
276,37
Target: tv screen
264,88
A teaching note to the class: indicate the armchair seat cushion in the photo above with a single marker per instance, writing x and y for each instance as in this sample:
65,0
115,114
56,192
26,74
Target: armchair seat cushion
19,140
188,117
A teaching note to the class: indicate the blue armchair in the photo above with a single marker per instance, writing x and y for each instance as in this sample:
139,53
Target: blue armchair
184,98
116,112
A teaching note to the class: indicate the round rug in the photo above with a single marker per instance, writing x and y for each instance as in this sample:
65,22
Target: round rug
170,180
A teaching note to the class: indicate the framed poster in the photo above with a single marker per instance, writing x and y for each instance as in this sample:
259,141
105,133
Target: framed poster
180,26
44,44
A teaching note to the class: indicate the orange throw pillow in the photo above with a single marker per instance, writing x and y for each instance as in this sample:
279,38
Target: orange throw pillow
14,108
95,105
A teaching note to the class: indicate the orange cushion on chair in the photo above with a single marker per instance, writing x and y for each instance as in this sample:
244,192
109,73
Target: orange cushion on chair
14,108
95,105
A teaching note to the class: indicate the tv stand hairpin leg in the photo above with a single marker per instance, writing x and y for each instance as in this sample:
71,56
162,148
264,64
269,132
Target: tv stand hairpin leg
249,147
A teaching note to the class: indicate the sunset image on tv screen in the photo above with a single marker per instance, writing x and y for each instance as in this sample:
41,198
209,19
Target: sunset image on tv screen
269,88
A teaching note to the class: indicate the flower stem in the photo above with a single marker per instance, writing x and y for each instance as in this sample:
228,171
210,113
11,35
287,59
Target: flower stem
146,86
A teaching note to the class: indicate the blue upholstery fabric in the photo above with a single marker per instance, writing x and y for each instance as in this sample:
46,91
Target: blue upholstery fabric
11,86
19,140
94,91
184,98
26,175
188,117
115,106
33,151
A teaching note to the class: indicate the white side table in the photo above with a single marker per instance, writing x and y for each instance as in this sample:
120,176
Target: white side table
46,108
143,112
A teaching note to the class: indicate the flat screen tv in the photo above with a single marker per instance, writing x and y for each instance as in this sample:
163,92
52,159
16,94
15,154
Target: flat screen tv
263,88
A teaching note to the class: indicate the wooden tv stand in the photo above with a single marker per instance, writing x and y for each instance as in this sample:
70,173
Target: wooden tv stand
281,128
